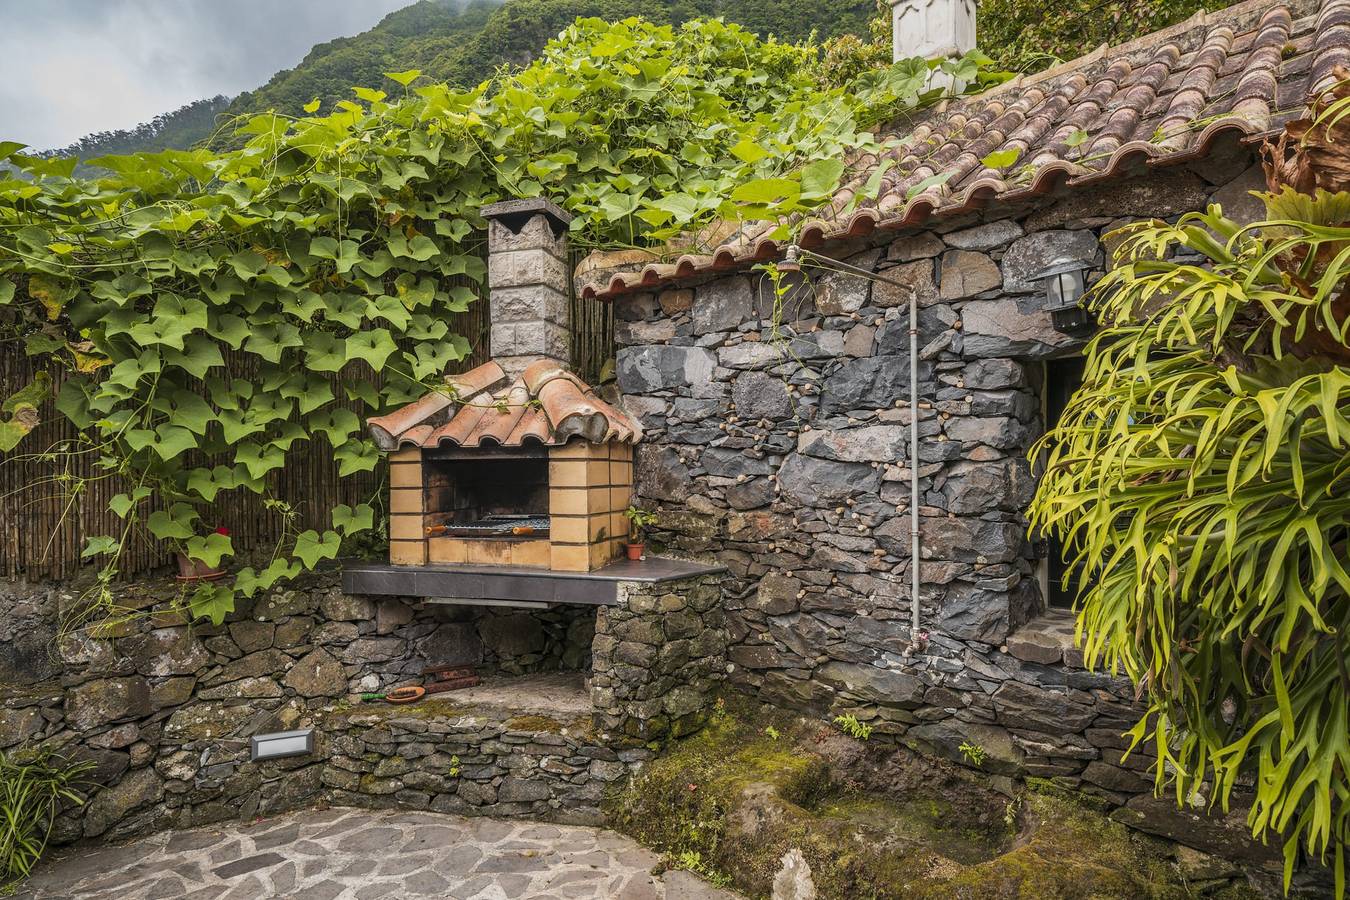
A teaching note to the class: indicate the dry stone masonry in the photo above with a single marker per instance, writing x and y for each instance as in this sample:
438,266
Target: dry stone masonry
165,711
778,445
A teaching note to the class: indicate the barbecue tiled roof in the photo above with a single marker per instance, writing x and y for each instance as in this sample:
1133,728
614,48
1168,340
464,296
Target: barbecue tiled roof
1162,99
546,405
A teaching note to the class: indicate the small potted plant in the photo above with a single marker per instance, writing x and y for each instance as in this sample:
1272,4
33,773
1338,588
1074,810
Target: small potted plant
190,569
640,519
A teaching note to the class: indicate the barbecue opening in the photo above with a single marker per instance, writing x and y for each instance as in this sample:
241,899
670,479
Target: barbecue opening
486,494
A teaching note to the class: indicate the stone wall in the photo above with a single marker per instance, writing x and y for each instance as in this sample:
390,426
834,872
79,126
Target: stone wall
165,710
786,457
660,656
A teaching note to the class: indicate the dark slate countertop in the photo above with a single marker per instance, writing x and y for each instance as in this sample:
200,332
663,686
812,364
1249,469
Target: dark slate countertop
515,583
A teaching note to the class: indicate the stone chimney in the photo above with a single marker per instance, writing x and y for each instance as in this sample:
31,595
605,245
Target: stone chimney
528,275
932,29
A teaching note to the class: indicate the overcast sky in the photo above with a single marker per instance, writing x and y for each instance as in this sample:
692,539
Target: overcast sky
71,67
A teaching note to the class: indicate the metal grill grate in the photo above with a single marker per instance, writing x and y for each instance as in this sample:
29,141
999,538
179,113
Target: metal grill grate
501,525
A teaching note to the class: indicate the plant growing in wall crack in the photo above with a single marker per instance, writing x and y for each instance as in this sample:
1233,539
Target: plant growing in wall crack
849,725
972,753
1200,474
34,785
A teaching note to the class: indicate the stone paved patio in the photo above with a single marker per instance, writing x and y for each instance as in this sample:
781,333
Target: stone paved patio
349,854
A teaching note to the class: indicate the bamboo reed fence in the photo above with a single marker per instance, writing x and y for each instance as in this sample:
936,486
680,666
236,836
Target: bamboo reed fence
51,504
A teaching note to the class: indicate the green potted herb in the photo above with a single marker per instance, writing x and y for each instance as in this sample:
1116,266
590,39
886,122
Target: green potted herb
639,518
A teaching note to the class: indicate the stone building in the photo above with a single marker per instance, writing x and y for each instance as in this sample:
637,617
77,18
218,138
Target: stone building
774,442
777,434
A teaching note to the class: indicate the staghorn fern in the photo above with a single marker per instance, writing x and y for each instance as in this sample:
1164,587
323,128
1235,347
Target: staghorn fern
1200,476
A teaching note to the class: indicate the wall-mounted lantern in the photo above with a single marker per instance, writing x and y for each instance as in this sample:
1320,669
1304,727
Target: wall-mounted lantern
1064,288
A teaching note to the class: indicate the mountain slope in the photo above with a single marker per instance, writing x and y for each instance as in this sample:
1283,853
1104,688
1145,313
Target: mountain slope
176,130
465,45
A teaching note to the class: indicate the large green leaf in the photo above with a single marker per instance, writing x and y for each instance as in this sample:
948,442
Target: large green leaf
175,523
209,550
310,547
349,521
373,346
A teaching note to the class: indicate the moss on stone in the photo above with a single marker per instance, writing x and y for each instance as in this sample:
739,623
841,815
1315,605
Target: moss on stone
426,708
735,800
536,724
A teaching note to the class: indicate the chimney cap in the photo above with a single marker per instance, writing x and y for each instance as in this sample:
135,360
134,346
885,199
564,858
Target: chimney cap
515,213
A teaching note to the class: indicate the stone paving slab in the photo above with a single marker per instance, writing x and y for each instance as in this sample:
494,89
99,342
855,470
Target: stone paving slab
352,854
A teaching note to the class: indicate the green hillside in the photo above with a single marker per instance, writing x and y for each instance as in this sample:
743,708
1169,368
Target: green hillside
465,41
464,46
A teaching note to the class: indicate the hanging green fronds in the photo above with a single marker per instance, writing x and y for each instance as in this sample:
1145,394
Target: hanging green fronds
1202,476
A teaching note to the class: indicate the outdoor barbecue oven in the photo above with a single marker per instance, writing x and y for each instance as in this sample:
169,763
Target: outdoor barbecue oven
534,471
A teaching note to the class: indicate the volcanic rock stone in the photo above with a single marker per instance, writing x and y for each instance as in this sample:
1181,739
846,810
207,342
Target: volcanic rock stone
675,302
859,340
205,721
869,443
776,594
966,273
875,382
1022,706
885,687
973,614
339,607
1011,326
661,367
761,396
993,374
751,494
818,482
252,636
317,674
973,488
923,245
172,691
839,293
722,305
106,700
915,279
165,651
956,538
18,725
112,804
661,474
984,237
1001,432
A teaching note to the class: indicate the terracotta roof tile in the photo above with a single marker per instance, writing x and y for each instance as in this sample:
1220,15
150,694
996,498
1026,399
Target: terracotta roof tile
1161,99
483,408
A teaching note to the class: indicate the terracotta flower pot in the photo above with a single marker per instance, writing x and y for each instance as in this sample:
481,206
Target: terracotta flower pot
635,551
196,570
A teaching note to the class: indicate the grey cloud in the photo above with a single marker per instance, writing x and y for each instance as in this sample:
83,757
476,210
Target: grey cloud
71,67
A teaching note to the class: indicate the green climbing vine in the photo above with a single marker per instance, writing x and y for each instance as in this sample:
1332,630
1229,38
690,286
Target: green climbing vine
334,245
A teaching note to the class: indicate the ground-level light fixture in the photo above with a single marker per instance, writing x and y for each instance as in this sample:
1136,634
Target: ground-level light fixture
1064,289
281,743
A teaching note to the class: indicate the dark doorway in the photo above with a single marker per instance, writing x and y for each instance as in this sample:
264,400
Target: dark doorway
1062,378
